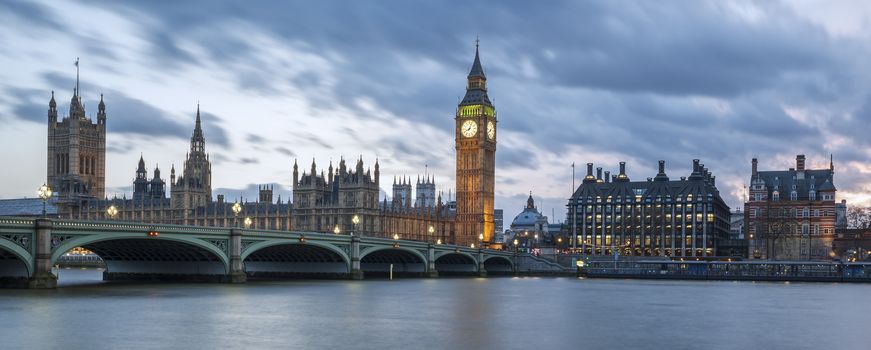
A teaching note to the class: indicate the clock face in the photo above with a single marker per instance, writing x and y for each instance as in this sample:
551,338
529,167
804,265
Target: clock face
469,128
491,130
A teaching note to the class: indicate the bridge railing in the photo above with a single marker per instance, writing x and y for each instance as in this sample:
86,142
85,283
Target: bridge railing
127,226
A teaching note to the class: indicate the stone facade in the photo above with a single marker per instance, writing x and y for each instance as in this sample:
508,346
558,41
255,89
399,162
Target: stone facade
76,162
476,160
321,202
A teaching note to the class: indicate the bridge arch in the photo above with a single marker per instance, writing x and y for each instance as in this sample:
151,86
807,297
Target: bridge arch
15,261
132,254
460,262
405,261
498,264
289,257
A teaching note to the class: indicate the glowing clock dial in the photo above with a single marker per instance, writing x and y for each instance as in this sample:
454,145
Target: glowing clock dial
469,128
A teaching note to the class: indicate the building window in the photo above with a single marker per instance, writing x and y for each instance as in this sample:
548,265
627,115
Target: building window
812,195
793,195
775,196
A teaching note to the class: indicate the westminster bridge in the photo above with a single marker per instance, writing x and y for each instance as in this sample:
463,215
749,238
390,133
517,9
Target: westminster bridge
29,248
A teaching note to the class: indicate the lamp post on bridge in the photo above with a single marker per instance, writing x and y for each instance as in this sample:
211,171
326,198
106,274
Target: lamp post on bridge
247,222
337,230
44,193
430,230
237,208
112,211
355,220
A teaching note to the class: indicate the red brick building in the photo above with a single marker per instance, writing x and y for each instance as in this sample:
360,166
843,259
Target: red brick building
791,214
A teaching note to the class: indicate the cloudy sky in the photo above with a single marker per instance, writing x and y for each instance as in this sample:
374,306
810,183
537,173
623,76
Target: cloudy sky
599,81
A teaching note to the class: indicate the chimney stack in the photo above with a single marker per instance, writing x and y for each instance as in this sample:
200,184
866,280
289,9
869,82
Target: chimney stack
799,162
754,172
661,176
599,174
607,176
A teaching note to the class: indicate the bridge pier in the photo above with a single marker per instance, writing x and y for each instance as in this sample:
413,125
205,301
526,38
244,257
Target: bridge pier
431,271
237,270
482,272
356,272
42,277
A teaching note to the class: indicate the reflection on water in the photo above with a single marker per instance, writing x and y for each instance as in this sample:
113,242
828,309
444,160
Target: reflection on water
446,313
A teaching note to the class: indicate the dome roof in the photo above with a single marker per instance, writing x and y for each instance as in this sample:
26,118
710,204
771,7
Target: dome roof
528,217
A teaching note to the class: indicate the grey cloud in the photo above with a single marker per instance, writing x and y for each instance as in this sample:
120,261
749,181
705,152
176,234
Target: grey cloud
613,76
314,139
516,158
32,12
213,131
248,160
256,139
285,151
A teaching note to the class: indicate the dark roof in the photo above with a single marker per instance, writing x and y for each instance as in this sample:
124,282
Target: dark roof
802,181
476,97
477,70
664,190
700,184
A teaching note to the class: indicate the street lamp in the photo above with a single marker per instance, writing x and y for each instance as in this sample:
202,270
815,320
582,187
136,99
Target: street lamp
481,240
237,208
44,193
439,241
336,230
355,220
396,236
430,231
247,222
112,211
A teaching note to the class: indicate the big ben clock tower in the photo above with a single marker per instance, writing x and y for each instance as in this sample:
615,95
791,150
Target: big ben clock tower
476,160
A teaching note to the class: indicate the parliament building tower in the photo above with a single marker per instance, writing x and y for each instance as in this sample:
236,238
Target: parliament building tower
193,188
476,160
76,162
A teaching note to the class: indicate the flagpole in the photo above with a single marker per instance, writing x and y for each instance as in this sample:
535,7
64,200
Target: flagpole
77,77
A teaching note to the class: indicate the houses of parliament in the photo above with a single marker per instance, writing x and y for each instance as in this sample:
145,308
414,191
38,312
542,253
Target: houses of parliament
324,199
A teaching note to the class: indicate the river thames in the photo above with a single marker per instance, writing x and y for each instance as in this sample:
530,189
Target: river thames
445,313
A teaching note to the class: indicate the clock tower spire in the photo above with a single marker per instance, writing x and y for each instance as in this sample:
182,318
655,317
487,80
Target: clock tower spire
476,159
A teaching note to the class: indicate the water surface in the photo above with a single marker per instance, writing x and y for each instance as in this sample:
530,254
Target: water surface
445,313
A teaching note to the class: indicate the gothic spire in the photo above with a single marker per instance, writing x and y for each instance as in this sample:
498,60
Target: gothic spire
477,70
198,142
198,129
141,167
476,86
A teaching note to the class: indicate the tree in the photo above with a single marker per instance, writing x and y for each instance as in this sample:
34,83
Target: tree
859,217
